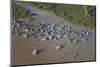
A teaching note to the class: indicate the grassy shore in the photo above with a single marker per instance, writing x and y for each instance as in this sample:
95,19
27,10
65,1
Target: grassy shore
17,11
77,14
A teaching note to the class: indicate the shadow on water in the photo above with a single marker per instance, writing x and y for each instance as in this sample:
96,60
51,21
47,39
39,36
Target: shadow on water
40,50
62,46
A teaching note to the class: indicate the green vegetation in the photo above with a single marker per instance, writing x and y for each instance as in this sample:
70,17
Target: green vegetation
18,12
82,15
78,14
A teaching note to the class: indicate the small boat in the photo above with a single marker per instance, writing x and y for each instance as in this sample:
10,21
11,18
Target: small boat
84,39
25,35
75,41
43,39
59,46
34,52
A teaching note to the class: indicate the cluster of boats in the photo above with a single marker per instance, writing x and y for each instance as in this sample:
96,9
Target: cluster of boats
48,31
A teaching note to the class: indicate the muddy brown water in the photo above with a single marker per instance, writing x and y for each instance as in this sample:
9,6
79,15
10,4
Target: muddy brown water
22,48
22,51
